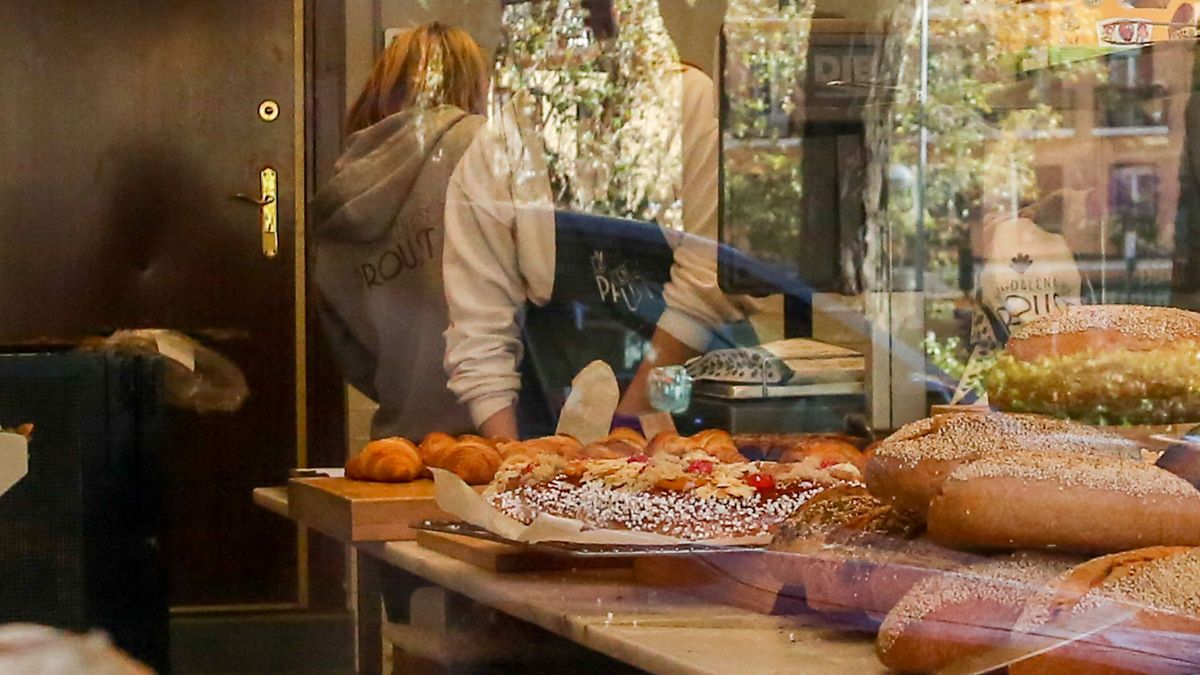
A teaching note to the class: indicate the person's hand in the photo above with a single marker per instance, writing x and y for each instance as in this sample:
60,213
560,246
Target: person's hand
502,424
665,350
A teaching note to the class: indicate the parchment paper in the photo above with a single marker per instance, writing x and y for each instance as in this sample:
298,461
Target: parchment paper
459,499
588,413
14,460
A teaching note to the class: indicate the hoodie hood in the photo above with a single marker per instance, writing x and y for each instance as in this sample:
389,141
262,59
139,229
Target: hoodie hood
375,175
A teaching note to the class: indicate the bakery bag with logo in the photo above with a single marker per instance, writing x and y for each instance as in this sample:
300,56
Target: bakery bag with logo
1028,272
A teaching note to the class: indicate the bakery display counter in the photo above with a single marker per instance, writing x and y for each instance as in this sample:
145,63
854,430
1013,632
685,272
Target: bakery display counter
649,627
605,608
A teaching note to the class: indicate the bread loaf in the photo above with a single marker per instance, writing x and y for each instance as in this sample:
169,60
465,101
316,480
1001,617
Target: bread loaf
907,468
389,460
1107,364
1080,503
1138,612
947,619
1183,460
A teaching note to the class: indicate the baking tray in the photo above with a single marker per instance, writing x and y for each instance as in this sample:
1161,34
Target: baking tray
574,550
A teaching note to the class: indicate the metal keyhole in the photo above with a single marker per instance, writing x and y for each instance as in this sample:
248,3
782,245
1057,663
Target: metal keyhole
268,110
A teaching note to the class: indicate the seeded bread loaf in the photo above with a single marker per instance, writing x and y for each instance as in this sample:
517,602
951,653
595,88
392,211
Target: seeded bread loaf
945,620
1138,612
907,469
1070,502
1106,364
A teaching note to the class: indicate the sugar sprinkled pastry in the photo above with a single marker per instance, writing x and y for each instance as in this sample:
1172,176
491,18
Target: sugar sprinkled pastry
691,496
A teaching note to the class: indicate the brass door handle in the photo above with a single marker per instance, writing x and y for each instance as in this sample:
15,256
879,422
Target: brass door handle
268,210
254,200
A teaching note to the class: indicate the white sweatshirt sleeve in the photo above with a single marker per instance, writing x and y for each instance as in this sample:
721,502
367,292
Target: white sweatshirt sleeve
498,252
695,303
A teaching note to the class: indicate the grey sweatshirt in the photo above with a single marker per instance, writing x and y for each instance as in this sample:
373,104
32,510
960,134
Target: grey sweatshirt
378,266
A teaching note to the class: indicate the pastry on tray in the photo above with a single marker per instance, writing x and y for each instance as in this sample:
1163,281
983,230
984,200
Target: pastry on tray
691,496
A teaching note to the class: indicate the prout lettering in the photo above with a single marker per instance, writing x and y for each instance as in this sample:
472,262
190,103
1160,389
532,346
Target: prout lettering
408,254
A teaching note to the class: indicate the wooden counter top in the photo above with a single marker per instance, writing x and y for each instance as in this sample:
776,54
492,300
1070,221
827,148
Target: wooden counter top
659,630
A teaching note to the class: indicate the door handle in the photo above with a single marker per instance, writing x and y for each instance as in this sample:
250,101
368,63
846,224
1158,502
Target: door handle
268,210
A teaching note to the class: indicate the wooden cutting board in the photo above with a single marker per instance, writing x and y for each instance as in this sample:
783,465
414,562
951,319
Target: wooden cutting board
500,557
355,511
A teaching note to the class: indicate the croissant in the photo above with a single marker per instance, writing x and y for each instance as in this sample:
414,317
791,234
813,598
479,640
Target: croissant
709,437
563,446
389,460
434,447
827,450
631,436
474,462
669,443
607,450
719,444
473,438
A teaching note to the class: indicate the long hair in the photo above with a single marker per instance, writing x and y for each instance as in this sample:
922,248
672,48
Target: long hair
426,66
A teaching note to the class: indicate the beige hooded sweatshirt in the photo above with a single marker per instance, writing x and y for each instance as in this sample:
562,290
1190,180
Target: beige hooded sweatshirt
379,266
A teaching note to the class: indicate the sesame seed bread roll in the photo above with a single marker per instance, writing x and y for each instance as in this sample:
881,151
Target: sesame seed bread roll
1106,364
1079,503
907,469
1084,328
946,619
1156,588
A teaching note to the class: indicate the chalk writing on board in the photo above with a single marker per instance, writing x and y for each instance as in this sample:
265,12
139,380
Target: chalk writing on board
617,284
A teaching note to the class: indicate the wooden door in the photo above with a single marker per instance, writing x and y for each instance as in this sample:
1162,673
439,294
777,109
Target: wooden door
127,128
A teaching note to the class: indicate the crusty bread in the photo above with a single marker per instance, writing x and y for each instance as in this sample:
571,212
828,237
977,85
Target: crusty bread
850,552
1138,612
388,460
907,468
1105,364
1081,503
1098,328
947,619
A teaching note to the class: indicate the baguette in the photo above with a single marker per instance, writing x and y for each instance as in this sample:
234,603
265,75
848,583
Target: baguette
908,468
1079,503
947,619
1138,612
